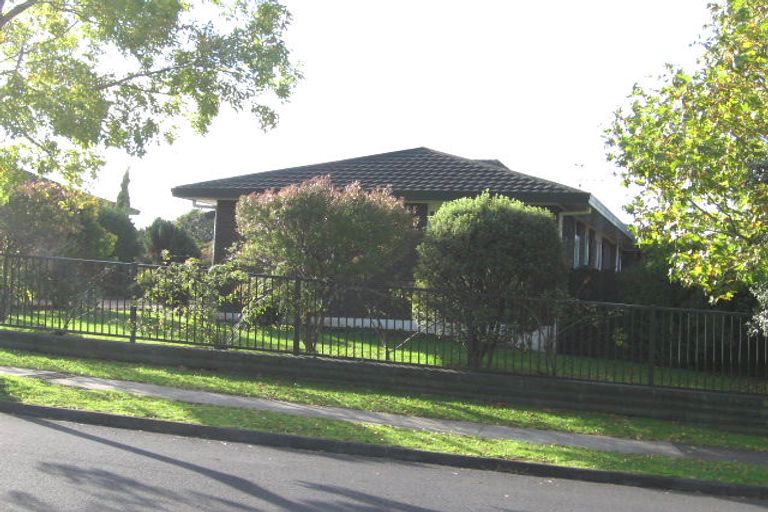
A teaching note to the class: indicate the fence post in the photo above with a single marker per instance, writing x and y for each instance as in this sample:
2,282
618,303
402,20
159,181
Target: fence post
652,347
5,292
297,318
133,321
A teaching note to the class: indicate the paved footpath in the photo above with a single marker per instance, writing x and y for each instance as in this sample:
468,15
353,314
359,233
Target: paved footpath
487,431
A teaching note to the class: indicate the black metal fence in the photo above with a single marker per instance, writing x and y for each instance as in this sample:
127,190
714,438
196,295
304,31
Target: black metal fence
616,343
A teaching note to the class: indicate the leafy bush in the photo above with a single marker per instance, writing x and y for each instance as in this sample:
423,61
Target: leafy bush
45,218
479,255
333,238
163,238
194,292
128,247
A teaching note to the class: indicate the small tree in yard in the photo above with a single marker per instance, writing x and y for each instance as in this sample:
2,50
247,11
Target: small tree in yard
333,237
481,254
164,240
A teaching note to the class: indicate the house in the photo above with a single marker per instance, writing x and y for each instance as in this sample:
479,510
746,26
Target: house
425,179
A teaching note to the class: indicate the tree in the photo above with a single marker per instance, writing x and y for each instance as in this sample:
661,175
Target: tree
124,197
696,148
199,224
332,238
45,218
78,77
162,238
115,220
481,257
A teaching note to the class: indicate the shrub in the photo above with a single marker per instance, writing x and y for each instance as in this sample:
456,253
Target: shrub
163,238
331,237
482,254
128,247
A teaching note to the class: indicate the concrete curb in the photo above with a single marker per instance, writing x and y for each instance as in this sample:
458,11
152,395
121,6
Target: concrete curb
395,453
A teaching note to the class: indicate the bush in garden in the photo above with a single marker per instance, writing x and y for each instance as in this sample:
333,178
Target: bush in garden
334,238
128,246
191,296
48,219
164,236
43,218
482,256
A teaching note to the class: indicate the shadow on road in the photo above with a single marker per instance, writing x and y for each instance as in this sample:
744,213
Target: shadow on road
116,492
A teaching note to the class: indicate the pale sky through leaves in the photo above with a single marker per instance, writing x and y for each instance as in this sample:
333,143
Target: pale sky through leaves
533,84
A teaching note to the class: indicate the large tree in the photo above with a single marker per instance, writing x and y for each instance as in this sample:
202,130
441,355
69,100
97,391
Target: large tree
696,148
80,76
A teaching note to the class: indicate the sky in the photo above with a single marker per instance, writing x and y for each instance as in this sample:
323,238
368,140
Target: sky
533,84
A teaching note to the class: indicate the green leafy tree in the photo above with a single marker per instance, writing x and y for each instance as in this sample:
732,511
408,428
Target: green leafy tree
124,196
199,224
482,257
164,240
45,218
78,77
128,246
333,238
696,148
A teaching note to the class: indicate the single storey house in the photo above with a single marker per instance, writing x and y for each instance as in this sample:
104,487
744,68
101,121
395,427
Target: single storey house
425,179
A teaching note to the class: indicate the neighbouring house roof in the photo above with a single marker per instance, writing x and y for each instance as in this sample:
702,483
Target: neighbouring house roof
34,177
419,173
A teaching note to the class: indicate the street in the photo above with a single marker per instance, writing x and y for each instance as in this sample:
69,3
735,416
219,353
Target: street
52,466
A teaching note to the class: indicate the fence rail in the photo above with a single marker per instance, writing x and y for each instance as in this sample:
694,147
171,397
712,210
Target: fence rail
615,343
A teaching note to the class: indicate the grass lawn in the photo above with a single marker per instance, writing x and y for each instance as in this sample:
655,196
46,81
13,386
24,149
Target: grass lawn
371,399
367,344
37,392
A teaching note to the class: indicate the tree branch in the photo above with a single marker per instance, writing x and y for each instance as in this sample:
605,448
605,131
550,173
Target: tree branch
133,76
17,10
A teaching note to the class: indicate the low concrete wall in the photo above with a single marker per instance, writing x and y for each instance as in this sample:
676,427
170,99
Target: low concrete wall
747,413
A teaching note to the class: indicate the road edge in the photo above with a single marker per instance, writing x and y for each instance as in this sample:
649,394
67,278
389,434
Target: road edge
389,452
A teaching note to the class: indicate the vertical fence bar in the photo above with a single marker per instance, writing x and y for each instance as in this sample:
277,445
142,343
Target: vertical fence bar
133,321
5,295
652,346
297,318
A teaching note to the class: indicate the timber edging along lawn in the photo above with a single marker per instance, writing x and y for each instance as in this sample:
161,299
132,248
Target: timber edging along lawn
748,413
390,452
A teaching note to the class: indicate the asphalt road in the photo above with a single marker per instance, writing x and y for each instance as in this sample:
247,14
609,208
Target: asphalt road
52,466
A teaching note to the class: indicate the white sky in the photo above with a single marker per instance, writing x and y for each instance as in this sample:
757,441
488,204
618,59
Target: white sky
531,83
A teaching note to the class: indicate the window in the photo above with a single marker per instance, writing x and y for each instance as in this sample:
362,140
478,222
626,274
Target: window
420,211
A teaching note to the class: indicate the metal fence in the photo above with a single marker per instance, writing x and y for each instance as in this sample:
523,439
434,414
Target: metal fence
615,343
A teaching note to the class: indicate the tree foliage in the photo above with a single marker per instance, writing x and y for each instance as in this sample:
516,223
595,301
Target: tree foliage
314,230
480,255
128,246
164,240
44,218
696,148
123,201
80,76
330,237
199,224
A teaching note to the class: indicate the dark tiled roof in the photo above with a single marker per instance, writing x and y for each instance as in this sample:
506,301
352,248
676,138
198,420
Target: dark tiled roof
419,172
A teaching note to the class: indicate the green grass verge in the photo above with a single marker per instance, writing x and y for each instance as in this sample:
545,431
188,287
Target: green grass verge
37,392
371,399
